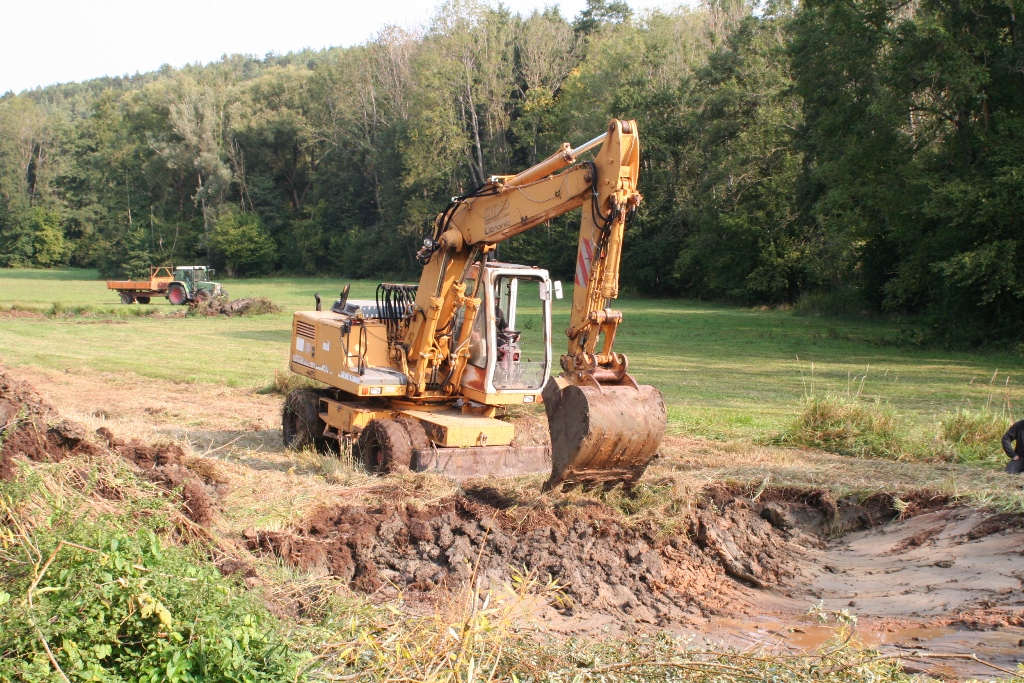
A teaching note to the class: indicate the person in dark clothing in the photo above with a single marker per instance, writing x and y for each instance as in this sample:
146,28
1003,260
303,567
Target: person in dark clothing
1016,453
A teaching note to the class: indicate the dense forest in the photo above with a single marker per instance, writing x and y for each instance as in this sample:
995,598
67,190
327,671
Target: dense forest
866,155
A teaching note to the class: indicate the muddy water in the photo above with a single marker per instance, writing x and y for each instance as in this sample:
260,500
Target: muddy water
947,582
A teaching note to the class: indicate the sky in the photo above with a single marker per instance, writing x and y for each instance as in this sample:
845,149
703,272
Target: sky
56,41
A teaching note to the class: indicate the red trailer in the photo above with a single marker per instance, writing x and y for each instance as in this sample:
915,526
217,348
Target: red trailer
160,278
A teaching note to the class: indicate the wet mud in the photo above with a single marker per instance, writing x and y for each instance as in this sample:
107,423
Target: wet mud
731,570
702,565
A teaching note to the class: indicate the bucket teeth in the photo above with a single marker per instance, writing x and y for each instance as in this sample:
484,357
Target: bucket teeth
602,436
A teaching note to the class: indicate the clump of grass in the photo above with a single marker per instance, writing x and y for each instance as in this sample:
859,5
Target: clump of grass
284,382
849,425
337,468
974,436
487,635
58,309
261,305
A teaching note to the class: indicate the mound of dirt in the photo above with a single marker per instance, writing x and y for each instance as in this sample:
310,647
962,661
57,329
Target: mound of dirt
163,465
605,563
248,306
31,428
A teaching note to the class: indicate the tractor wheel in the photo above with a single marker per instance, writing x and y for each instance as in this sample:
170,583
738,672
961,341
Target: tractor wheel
202,295
127,298
143,299
224,294
300,421
384,446
176,295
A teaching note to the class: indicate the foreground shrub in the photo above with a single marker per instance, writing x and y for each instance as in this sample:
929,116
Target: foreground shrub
105,600
848,426
975,436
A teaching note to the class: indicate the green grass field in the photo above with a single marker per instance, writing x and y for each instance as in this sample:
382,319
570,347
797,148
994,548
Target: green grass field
726,372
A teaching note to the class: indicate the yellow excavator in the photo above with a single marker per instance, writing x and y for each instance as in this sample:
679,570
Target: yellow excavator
415,378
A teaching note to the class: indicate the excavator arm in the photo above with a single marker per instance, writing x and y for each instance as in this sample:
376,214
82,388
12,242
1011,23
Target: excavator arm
605,428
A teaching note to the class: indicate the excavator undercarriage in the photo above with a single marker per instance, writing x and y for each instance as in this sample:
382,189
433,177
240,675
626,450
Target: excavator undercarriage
415,378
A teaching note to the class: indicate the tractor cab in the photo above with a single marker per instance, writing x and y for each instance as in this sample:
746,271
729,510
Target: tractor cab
192,275
193,284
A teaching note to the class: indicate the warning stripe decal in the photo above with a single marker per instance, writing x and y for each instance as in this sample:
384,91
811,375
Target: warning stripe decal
584,261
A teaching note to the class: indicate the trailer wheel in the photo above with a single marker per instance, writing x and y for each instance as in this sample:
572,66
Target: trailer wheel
127,298
384,446
176,295
143,299
301,425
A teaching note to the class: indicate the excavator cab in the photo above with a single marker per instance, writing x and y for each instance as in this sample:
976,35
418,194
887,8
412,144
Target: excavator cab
510,346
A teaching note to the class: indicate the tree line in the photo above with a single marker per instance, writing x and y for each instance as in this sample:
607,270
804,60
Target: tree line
856,154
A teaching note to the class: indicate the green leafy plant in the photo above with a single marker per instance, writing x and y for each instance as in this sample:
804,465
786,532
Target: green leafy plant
102,599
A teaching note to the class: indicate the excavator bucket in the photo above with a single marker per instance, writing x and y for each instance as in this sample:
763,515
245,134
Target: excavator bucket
602,436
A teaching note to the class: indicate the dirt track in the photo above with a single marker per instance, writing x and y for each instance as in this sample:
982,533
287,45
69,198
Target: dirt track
728,568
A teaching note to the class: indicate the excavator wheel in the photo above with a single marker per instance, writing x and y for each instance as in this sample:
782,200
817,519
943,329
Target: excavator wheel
300,421
417,434
602,435
385,446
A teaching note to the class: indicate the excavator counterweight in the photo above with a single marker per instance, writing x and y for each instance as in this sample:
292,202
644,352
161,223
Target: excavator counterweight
415,378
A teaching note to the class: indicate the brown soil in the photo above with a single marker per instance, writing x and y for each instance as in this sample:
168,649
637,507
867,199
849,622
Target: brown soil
605,563
730,569
163,465
246,306
11,313
31,428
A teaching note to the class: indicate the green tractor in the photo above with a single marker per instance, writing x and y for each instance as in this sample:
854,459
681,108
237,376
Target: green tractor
193,284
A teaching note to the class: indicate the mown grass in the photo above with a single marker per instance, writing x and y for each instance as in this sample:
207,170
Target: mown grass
726,372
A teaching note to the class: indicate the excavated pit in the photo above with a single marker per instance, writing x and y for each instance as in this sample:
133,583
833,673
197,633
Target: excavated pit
704,564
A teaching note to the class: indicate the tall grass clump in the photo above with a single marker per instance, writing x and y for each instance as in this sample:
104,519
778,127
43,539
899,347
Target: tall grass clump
848,425
974,436
284,382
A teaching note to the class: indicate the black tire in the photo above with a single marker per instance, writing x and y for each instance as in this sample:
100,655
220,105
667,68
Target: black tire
224,295
127,298
418,438
384,446
176,295
143,299
202,295
301,425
